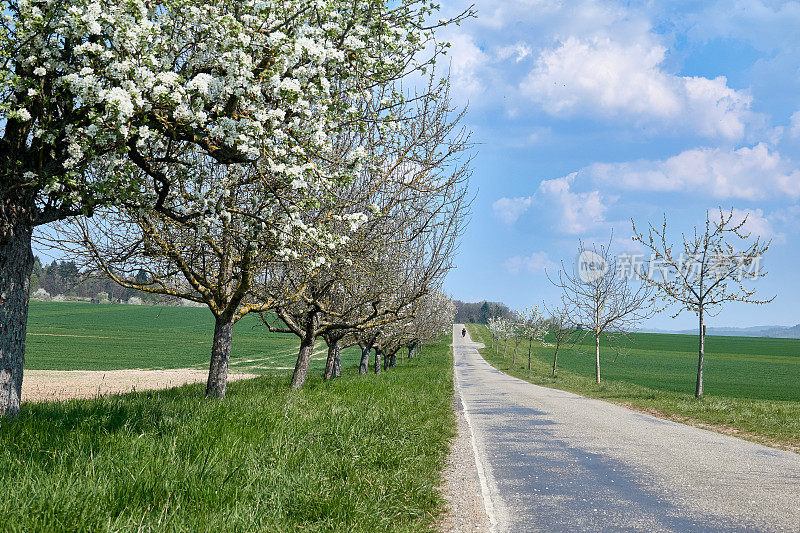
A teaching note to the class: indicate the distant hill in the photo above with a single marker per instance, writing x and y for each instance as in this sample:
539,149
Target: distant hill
785,332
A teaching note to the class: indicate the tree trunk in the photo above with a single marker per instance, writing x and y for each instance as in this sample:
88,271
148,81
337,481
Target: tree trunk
505,347
698,391
530,352
377,361
555,360
393,360
303,358
516,345
385,361
16,265
362,367
330,362
220,356
597,355
337,362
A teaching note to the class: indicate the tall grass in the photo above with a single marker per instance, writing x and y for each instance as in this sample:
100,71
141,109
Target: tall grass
360,453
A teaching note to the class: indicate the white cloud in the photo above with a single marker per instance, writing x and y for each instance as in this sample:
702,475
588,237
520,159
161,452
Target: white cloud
534,263
794,125
570,212
604,60
467,61
748,173
607,78
575,212
519,51
510,209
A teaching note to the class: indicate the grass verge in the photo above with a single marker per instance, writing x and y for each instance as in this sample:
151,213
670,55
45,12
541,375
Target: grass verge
360,453
769,421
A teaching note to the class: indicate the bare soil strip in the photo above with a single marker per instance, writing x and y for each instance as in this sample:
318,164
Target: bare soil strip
45,385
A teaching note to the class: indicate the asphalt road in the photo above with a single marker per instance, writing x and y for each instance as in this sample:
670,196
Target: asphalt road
551,460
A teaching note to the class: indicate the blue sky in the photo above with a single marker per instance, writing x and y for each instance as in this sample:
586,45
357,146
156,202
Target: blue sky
590,113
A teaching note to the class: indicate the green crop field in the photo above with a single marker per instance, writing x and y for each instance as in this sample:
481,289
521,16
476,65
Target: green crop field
752,384
84,336
736,367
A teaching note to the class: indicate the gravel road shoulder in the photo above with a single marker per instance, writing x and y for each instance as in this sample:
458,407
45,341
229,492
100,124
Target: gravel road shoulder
461,487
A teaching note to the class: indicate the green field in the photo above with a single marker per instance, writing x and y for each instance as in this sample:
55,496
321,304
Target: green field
359,453
752,384
736,367
84,336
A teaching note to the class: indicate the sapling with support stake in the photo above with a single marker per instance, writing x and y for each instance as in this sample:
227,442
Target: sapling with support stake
707,273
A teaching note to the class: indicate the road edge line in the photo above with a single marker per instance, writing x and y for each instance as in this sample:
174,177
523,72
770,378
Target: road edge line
488,505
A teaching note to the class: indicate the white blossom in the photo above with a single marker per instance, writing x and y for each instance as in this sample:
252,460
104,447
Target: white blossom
200,83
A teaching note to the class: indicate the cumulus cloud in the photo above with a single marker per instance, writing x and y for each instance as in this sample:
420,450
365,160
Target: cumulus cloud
606,78
534,263
570,212
594,59
467,62
575,212
510,209
747,173
575,205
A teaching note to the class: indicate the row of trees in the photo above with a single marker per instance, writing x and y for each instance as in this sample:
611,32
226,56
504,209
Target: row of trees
534,326
604,296
255,157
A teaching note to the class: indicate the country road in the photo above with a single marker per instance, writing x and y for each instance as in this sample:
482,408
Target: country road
551,460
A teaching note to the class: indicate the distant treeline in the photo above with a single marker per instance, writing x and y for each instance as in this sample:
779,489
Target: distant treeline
480,312
64,278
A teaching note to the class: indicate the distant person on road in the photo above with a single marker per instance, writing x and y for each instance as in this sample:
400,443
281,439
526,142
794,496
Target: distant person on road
463,332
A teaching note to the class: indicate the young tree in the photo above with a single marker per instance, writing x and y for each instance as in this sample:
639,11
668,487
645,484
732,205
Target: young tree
491,325
560,328
505,330
532,327
516,334
707,272
600,300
